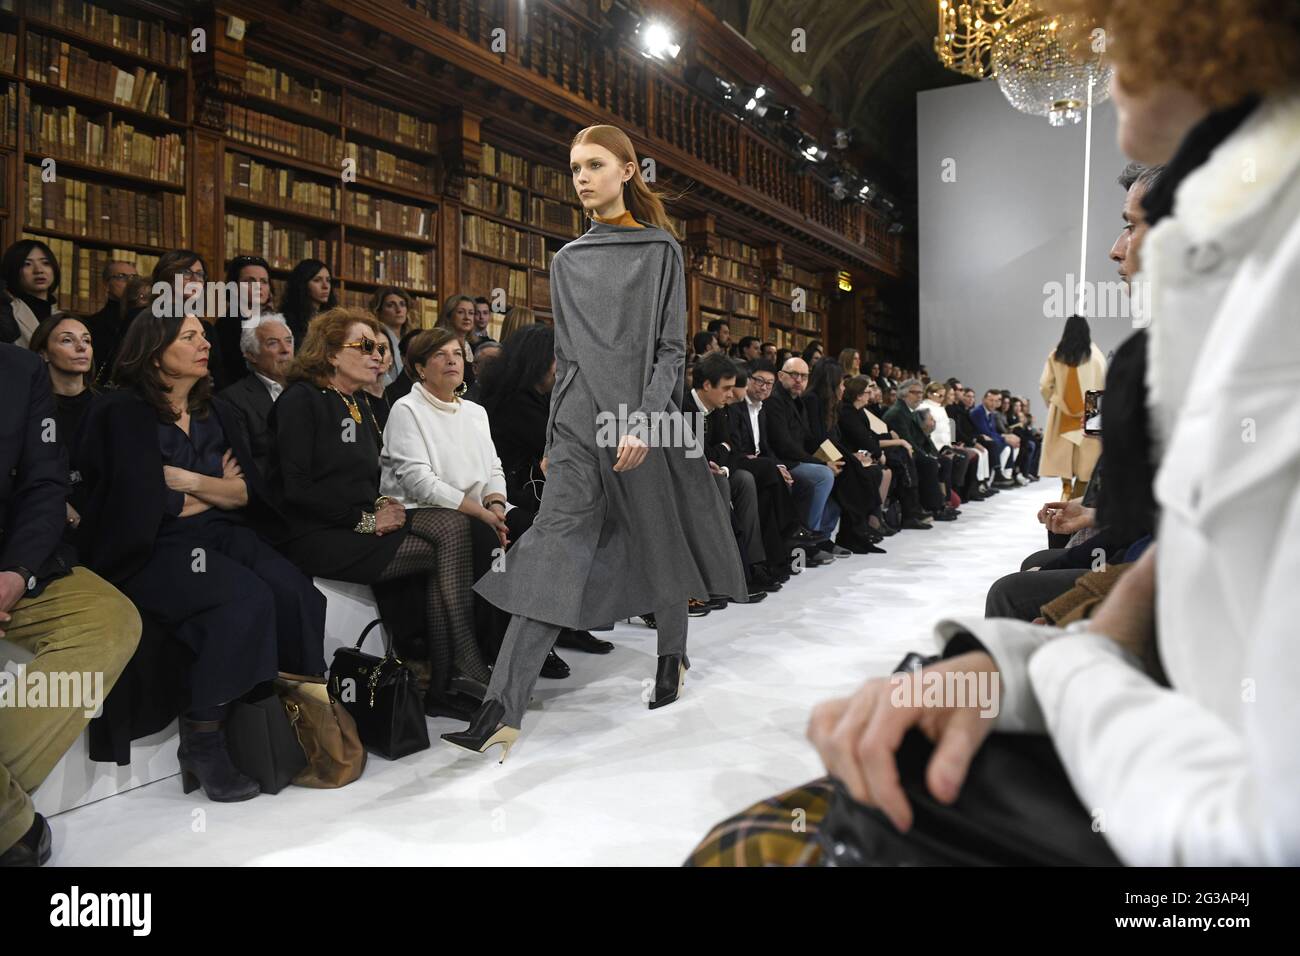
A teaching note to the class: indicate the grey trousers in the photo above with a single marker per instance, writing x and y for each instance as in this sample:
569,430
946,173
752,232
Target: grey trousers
528,641
1021,595
739,489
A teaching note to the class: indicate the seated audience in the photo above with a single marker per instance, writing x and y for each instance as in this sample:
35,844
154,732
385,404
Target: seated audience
310,290
65,345
31,280
393,307
459,317
335,523
69,618
267,350
249,276
108,325
933,471
166,495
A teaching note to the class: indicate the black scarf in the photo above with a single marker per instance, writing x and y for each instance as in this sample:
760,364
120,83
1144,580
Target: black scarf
1127,501
41,308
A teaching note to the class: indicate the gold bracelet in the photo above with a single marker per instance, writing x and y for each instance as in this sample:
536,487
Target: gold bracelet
366,525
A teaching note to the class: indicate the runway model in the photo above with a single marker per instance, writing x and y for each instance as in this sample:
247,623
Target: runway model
630,524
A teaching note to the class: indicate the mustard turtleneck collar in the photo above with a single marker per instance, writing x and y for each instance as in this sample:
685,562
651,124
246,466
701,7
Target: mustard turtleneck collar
626,219
435,401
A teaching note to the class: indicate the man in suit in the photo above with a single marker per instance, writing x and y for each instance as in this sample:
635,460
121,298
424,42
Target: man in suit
712,380
75,622
746,439
268,351
106,326
930,468
1002,448
790,441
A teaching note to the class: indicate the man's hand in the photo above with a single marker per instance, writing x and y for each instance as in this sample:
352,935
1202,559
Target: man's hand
1067,517
857,738
836,467
543,464
1127,615
785,473
631,452
12,587
1012,440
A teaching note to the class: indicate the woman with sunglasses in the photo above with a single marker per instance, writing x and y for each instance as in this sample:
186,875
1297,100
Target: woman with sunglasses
324,475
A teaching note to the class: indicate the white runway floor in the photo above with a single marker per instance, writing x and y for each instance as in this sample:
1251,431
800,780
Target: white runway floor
597,778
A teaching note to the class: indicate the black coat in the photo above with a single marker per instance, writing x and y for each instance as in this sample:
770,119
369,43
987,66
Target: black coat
717,439
518,426
855,430
252,405
790,436
743,432
323,474
122,468
33,471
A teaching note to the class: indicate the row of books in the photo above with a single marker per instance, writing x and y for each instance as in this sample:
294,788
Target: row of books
69,67
724,299
739,327
735,249
400,267
282,246
81,268
493,238
391,124
9,52
494,197
556,216
129,34
555,183
281,136
384,166
494,162
422,315
809,280
795,341
105,212
814,298
731,270
808,321
67,133
9,113
249,178
484,277
275,84
386,215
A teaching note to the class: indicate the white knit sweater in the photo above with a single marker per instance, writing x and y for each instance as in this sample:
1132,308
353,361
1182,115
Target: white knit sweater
435,453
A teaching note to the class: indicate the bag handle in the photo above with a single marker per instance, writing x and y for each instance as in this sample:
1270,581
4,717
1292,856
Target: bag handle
388,648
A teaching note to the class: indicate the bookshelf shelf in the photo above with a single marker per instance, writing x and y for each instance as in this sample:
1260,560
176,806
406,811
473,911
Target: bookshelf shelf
96,241
425,242
500,260
295,114
376,283
103,172
355,135
234,144
285,212
86,40
378,185
109,106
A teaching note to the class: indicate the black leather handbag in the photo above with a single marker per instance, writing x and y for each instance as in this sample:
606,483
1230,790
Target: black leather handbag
1016,808
263,744
381,695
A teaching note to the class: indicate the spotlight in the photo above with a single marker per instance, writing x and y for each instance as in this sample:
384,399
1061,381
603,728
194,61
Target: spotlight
773,111
657,41
842,138
864,192
812,150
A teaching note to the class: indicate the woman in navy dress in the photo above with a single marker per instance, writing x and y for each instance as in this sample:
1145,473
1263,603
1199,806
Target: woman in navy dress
169,478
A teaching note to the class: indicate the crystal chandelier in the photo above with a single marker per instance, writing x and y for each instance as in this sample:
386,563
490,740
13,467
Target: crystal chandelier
1026,50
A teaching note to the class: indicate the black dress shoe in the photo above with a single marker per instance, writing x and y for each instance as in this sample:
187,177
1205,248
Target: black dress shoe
487,729
757,595
696,608
33,847
947,514
669,677
916,524
806,536
553,667
582,641
858,545
718,602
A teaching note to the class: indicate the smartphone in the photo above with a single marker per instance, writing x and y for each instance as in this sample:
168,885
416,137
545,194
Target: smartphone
1092,411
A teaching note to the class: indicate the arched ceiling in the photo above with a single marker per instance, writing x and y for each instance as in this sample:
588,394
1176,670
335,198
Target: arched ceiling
865,62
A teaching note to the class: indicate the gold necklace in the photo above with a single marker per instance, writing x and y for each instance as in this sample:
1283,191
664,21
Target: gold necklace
353,408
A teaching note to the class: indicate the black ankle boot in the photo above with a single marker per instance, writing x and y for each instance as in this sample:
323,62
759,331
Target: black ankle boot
206,762
487,729
669,677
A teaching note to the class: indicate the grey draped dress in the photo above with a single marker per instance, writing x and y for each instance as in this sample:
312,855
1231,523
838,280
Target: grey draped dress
607,545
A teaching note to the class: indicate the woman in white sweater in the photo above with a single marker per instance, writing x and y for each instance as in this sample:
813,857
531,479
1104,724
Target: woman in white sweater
438,453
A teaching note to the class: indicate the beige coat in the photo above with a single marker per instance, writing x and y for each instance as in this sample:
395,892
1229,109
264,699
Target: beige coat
1073,454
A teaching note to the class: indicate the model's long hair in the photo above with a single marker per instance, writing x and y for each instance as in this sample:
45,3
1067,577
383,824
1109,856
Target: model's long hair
641,201
1076,342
